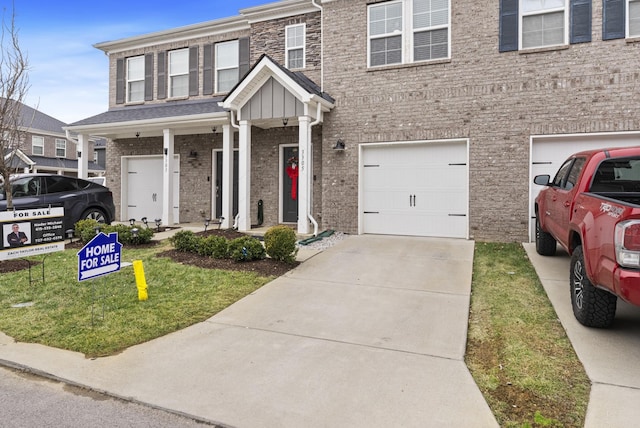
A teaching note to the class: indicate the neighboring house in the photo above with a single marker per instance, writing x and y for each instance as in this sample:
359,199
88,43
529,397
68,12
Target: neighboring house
46,148
409,117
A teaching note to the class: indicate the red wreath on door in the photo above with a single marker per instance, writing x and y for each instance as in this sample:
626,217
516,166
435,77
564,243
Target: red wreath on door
293,172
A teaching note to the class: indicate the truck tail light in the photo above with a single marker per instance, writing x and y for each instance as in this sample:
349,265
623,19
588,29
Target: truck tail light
627,242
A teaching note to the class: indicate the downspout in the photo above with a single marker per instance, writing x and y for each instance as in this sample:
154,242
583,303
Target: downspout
310,176
237,217
313,2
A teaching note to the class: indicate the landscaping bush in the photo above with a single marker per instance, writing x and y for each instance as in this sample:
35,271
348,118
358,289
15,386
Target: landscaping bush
213,246
126,236
185,241
86,229
246,249
280,243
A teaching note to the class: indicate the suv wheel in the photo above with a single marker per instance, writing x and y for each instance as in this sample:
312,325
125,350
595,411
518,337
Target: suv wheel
94,214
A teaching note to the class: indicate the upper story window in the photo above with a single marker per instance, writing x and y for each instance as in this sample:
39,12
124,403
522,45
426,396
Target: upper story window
179,73
135,79
295,45
61,148
531,24
543,23
37,145
227,65
634,18
407,31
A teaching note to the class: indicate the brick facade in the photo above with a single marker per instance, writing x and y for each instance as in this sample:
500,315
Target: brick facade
497,101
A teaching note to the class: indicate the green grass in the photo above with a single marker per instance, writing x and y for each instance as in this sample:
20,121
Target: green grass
103,316
518,352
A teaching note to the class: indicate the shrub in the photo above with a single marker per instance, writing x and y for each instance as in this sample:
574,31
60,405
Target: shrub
126,236
185,241
245,249
213,246
86,229
280,243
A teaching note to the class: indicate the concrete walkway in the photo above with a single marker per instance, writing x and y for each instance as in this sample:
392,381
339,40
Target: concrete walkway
609,356
368,333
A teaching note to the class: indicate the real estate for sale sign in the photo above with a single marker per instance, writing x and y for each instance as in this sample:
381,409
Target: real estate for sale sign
31,232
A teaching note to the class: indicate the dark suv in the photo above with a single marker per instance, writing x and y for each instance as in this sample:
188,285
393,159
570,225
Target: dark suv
81,199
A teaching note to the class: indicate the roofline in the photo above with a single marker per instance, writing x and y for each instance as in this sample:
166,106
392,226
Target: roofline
277,10
203,29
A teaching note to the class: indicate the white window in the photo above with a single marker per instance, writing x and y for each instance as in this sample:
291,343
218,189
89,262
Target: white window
135,79
37,145
227,65
633,13
179,73
543,23
295,46
406,31
61,148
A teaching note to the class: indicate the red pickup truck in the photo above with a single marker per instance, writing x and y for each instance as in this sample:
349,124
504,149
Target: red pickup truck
592,209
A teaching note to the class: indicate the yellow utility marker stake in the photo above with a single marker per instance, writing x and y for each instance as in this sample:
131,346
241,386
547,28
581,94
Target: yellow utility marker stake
141,282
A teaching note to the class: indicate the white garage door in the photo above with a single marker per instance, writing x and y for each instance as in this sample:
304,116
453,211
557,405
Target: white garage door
142,191
418,189
548,154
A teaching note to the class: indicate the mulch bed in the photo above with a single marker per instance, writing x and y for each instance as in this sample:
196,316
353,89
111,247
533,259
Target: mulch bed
266,267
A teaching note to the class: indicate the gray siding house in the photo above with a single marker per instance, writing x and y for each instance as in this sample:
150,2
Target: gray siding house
408,117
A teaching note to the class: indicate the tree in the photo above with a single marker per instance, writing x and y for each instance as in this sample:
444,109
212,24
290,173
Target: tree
14,85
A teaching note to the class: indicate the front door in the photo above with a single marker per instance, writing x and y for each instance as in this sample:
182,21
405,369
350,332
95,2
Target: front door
219,184
289,195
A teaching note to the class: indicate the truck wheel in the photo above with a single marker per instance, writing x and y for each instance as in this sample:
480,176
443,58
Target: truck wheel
592,306
545,242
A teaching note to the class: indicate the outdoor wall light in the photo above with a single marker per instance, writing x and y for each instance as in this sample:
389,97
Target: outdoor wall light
206,223
158,223
339,145
193,154
137,135
213,129
285,120
132,221
79,155
166,152
144,220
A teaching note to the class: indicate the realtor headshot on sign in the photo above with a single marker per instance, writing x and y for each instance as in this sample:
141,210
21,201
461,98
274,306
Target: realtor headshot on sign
15,236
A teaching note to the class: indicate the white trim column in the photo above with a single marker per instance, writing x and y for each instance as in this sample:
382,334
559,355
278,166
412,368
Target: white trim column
304,193
227,176
82,150
167,176
244,176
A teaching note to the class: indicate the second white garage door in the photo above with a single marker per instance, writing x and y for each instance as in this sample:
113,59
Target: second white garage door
417,189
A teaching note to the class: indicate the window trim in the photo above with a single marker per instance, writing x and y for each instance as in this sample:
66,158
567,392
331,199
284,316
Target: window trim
522,15
34,145
288,48
172,75
627,21
407,35
129,81
64,142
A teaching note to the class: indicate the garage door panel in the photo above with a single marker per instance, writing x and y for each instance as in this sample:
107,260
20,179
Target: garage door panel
415,189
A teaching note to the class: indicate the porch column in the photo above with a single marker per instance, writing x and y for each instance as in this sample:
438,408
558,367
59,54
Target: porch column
244,176
227,176
304,192
167,176
82,149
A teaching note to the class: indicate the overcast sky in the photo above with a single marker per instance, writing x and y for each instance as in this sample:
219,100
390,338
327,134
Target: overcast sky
68,77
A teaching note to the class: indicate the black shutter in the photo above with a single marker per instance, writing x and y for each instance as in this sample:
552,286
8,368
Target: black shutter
245,56
508,25
148,77
120,83
194,89
207,70
613,20
580,21
162,75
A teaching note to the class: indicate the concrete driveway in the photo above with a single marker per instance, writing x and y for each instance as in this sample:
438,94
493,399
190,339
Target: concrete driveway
368,333
610,356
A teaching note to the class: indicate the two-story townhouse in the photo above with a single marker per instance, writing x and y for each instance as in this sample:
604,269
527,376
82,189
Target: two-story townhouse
412,117
46,146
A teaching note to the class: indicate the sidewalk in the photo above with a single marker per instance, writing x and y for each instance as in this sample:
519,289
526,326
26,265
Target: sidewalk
368,333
